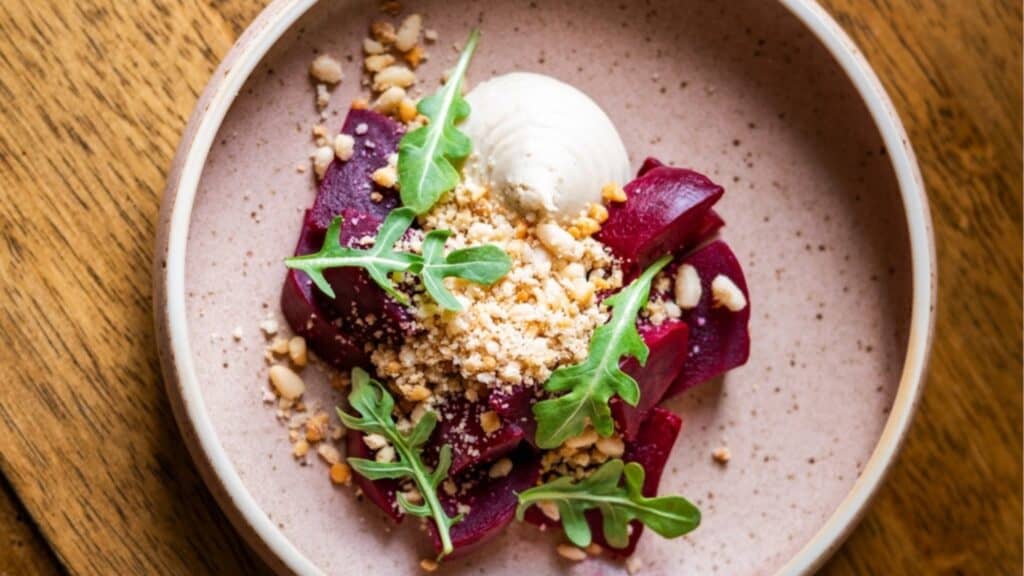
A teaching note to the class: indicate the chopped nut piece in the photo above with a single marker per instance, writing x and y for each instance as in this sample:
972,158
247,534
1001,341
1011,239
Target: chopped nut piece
360,104
549,509
297,351
430,35
413,496
449,487
288,384
316,427
323,97
300,448
415,56
594,549
725,292
721,455
587,438
634,565
329,453
269,327
407,110
344,146
325,69
570,552
393,76
378,62
500,469
375,441
322,160
612,446
613,193
416,393
585,227
371,46
408,34
383,32
490,421
341,473
687,287
385,177
598,212
389,100
428,565
385,454
558,241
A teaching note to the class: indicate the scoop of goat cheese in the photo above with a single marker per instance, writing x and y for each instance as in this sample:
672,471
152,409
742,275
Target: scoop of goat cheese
544,146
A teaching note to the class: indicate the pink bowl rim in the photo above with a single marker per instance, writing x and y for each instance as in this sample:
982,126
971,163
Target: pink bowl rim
183,386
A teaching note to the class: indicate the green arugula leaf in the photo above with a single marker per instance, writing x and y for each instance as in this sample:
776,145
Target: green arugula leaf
374,405
480,264
669,516
380,261
591,383
427,155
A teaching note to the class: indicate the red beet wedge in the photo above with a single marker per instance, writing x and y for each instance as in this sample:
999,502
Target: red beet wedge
349,184
491,501
719,338
459,426
666,211
363,307
380,492
667,346
308,319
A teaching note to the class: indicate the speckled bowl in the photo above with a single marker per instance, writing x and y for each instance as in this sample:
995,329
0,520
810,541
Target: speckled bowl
825,208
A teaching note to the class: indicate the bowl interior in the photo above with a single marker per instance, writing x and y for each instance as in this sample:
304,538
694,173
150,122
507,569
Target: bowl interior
739,91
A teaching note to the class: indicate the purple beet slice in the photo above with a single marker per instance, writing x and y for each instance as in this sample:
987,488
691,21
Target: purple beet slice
515,406
349,185
719,338
667,345
459,426
363,307
665,212
380,492
650,163
491,501
308,319
651,449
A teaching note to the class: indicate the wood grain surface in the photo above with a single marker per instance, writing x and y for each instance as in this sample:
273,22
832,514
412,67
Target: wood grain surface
94,95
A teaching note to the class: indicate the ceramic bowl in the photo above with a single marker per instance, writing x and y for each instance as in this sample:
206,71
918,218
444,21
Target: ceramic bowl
825,209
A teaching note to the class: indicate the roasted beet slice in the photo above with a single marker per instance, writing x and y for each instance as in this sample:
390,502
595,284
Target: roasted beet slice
307,318
667,345
516,406
459,426
363,307
651,449
491,501
380,492
650,163
719,338
665,212
348,185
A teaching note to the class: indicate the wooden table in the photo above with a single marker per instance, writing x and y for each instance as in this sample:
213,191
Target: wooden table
93,98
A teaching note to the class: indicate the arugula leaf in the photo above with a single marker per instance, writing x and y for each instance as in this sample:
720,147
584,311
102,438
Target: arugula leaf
480,264
380,261
669,516
374,405
592,383
426,156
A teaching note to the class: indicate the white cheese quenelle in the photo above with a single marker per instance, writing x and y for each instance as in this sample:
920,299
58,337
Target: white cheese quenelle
543,146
